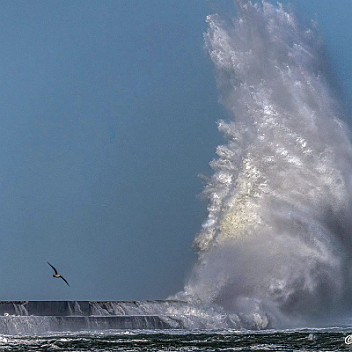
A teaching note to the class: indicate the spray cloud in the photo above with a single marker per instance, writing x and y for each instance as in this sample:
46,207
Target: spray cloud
277,238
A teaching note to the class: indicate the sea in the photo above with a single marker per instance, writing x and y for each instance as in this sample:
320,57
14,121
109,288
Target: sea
327,339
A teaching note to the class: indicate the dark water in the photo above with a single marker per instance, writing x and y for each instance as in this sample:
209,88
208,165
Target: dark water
162,340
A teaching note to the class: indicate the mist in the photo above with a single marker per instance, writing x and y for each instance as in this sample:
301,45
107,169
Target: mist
276,242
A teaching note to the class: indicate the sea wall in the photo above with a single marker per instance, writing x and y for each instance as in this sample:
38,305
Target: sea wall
34,317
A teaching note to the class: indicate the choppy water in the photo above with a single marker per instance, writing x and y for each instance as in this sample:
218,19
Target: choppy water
185,340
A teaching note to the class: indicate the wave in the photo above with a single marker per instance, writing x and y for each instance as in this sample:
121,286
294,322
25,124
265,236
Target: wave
276,243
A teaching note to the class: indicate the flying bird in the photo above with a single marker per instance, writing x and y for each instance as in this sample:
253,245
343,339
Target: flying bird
57,275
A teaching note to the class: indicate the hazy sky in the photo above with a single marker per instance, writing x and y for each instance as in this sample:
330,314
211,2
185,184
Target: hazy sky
108,113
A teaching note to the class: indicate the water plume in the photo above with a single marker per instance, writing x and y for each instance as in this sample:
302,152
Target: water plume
276,243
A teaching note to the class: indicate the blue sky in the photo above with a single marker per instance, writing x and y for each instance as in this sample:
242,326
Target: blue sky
108,114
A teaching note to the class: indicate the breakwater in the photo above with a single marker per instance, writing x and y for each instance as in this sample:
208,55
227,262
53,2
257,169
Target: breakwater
34,317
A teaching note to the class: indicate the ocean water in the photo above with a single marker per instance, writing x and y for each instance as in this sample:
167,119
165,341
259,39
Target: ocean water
332,339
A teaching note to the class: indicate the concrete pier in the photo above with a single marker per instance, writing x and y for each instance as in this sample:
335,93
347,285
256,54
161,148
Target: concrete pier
34,317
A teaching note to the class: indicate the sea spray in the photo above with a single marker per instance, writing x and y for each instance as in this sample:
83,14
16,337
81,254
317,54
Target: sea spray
277,240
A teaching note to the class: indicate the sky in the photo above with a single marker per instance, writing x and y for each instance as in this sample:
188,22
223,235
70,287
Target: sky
108,115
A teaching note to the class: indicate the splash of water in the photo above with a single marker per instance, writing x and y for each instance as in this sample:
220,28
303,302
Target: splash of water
277,240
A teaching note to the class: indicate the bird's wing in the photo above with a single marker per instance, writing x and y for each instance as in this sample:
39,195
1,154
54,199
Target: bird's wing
53,268
64,280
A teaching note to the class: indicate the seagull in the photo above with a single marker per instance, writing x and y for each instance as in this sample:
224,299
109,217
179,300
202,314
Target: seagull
58,275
